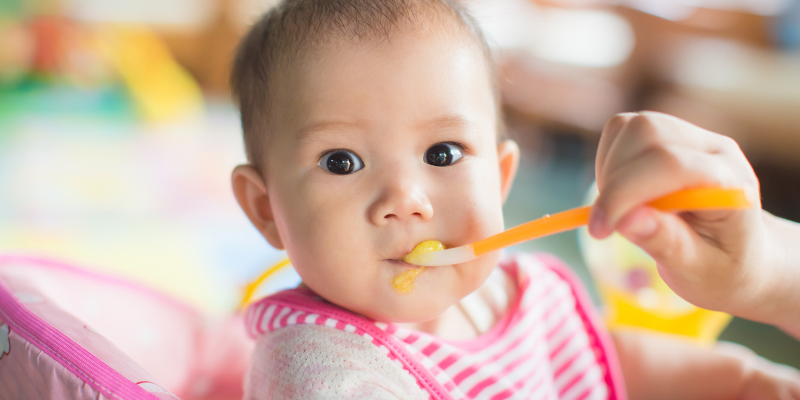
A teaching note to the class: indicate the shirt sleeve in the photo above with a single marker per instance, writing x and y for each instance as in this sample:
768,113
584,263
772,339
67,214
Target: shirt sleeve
319,362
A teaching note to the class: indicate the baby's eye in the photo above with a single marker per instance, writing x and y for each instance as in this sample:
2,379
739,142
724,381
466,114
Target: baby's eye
443,154
341,162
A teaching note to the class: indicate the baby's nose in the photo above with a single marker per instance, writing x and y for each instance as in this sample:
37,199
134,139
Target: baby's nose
400,201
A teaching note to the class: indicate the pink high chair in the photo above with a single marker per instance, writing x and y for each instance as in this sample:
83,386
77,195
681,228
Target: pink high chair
66,333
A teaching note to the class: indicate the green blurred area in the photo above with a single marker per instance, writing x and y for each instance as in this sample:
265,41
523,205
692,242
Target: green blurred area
41,98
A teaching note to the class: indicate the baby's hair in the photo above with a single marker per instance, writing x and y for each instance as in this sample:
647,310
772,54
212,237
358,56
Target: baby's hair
294,28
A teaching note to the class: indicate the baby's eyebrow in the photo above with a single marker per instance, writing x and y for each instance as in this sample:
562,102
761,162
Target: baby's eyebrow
451,122
307,133
446,122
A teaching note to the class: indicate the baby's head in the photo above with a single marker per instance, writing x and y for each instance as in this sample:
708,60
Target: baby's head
371,126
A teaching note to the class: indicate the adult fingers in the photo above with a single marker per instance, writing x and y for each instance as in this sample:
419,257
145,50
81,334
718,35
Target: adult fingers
668,239
654,173
673,130
610,132
648,129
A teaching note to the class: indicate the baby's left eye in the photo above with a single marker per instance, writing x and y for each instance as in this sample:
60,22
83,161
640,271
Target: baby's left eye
443,154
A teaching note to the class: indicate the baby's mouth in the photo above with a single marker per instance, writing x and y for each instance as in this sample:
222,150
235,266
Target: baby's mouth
426,246
417,254
403,283
400,263
397,257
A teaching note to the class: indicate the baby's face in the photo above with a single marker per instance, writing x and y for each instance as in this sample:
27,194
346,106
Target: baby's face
375,149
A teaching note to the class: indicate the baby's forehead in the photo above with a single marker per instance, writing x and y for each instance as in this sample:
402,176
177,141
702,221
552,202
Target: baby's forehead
378,88
427,76
296,31
421,29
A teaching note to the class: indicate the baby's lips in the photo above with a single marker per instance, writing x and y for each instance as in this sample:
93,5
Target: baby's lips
404,250
398,255
427,246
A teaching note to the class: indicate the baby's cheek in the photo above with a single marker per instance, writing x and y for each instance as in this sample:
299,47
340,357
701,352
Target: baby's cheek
325,245
325,222
341,276
473,208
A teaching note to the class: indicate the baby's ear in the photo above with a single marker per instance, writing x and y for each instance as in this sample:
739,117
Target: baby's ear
252,195
508,158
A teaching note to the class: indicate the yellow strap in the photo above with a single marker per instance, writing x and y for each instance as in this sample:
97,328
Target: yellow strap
251,287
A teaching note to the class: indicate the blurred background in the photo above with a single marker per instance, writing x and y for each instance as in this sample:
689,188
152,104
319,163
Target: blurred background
117,132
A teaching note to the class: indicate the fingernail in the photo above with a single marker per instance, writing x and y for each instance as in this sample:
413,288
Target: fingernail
640,225
596,222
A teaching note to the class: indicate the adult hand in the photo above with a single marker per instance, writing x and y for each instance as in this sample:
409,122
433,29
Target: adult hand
710,258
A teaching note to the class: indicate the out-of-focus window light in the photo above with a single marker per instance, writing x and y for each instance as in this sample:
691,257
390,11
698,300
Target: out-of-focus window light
732,69
679,9
586,38
248,11
177,13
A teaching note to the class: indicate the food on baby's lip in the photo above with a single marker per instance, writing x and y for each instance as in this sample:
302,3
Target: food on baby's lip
404,282
422,248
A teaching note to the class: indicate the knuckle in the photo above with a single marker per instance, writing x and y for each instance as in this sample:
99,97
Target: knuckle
669,160
648,127
642,123
614,124
720,174
668,245
729,145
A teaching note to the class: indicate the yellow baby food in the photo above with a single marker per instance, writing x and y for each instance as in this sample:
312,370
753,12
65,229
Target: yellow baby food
422,248
404,282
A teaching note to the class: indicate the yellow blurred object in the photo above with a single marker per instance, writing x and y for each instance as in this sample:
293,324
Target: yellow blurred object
250,289
632,290
625,310
160,87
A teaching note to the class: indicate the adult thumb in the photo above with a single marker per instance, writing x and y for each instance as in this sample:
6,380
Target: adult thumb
664,236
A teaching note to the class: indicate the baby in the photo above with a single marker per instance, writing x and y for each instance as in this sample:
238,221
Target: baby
374,125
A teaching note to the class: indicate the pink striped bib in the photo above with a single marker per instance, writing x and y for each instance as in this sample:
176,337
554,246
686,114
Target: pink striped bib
549,345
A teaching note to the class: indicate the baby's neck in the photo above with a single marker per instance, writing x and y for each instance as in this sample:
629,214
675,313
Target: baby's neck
475,314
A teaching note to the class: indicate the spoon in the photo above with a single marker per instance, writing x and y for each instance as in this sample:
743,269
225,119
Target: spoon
708,198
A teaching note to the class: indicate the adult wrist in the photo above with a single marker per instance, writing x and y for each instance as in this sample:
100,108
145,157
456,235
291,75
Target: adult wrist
770,284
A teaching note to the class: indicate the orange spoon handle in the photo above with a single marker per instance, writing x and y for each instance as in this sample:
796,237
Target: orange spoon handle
703,199
547,225
689,199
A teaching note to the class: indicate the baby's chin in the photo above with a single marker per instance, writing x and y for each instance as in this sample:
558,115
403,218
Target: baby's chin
386,305
408,309
435,290
423,304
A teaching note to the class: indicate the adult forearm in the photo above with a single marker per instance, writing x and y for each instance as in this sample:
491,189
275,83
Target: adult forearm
783,263
659,367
